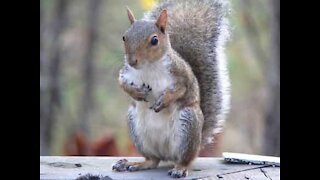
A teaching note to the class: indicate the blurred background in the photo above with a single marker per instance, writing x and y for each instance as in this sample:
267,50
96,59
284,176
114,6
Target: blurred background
83,110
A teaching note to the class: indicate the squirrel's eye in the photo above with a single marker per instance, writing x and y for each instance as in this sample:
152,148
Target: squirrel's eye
123,38
154,40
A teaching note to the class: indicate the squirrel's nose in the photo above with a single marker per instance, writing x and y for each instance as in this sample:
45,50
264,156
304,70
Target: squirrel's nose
133,63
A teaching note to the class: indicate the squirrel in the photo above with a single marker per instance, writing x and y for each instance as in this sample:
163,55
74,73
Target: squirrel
175,71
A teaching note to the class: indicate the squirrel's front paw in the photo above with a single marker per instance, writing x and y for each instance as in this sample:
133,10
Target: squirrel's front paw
141,92
146,88
158,105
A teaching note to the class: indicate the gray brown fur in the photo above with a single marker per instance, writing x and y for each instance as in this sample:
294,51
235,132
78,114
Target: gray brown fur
198,31
183,80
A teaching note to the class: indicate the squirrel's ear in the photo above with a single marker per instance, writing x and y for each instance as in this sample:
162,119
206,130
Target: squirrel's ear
162,21
130,15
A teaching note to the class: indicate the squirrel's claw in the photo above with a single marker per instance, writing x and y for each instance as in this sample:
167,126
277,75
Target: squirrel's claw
141,92
146,87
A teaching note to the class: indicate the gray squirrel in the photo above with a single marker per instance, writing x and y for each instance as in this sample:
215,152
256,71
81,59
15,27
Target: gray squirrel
175,71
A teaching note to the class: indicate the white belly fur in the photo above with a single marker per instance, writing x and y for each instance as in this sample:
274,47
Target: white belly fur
157,129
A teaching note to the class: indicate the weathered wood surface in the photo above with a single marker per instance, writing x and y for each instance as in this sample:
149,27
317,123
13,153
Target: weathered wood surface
68,167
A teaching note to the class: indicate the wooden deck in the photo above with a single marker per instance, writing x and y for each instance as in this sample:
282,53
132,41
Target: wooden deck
66,167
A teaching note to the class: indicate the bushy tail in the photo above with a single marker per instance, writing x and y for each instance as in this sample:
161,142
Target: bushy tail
198,30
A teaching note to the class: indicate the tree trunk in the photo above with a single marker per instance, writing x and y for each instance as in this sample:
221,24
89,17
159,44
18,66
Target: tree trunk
48,108
272,126
88,65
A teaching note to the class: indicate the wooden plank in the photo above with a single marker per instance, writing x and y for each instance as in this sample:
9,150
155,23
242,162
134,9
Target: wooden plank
251,174
71,167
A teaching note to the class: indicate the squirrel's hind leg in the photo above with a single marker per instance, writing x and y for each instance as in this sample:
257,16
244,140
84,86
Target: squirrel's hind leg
189,126
124,164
